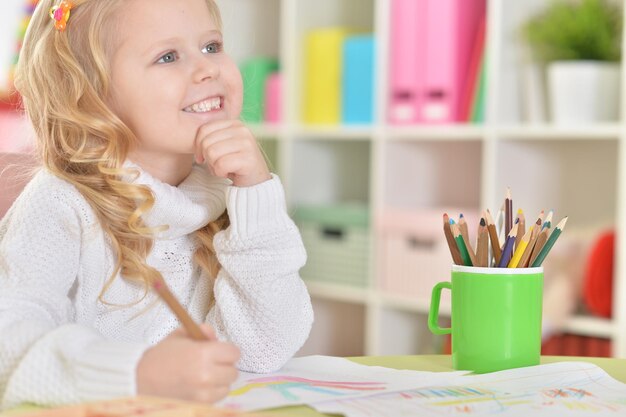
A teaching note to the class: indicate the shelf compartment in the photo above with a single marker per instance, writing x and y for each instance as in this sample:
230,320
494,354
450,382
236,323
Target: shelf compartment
432,174
574,178
244,20
406,333
411,250
338,329
330,172
337,241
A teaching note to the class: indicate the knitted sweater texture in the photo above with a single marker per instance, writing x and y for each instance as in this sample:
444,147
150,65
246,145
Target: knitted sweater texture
60,344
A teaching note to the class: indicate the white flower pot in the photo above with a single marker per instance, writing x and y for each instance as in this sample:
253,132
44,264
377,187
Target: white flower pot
583,92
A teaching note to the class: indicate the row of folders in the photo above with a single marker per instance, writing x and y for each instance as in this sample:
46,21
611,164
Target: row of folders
436,69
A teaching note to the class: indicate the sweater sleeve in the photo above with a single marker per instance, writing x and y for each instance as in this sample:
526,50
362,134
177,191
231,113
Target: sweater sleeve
45,357
261,303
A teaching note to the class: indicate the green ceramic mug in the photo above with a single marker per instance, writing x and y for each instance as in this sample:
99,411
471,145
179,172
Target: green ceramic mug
496,317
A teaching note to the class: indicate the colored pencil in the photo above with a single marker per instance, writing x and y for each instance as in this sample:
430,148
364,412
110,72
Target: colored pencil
482,244
470,249
493,236
500,224
464,228
521,230
536,228
508,212
454,249
467,261
191,326
541,240
520,248
551,240
507,251
548,220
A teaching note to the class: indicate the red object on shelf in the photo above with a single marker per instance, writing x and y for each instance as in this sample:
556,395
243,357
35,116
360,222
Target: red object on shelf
598,283
10,102
552,346
575,345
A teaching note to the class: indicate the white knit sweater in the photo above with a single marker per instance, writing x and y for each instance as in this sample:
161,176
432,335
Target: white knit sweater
59,344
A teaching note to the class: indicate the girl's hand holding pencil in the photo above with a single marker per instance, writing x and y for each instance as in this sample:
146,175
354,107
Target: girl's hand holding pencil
520,249
204,367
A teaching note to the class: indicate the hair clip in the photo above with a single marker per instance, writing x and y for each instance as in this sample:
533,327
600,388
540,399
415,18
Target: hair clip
61,14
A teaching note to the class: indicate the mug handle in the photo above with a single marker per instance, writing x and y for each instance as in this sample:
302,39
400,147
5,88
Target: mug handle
433,314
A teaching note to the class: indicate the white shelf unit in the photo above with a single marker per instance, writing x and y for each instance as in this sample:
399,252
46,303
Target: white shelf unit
578,171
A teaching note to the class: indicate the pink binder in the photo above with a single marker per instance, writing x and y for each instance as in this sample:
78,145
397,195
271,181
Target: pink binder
273,98
430,56
406,69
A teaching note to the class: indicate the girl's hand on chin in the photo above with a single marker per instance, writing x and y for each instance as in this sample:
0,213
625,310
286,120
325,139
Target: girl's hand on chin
229,150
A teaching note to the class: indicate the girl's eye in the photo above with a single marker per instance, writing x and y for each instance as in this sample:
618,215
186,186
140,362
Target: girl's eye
212,48
167,58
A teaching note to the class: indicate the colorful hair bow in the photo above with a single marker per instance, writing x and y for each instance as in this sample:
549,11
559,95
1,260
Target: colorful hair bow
61,14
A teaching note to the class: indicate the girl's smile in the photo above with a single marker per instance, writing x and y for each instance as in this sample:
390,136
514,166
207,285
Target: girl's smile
169,78
210,104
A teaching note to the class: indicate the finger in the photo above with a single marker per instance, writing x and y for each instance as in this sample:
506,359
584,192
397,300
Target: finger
212,128
223,353
220,376
231,164
205,142
206,130
208,331
228,134
217,150
219,393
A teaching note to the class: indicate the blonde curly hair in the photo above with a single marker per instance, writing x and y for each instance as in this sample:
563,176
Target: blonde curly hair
63,79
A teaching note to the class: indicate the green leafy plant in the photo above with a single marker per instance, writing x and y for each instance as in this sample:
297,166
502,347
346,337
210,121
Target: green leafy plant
576,30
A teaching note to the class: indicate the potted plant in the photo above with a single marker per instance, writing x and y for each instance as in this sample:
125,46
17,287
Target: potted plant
580,42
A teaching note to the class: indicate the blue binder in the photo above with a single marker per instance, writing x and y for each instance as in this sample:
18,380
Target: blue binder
358,80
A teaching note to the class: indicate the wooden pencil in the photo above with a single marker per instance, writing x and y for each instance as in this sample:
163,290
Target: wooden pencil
470,249
482,245
467,260
508,212
464,228
500,224
493,236
541,240
507,251
548,220
520,247
551,240
191,326
454,249
521,229
536,229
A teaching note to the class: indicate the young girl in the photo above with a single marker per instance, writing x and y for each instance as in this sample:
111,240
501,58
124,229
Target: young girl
125,95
